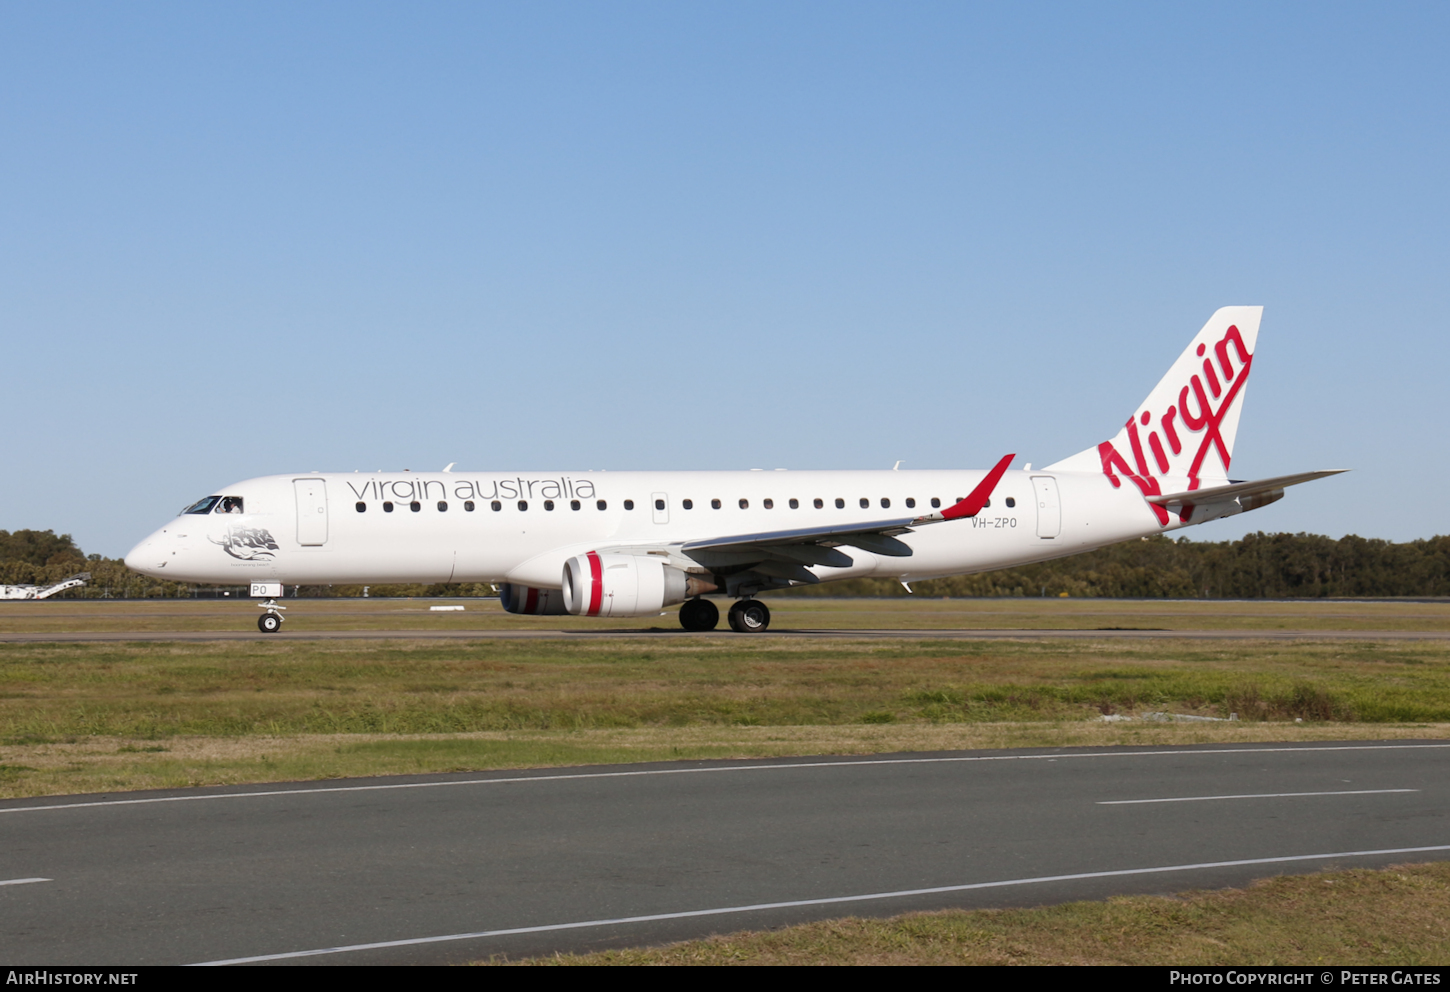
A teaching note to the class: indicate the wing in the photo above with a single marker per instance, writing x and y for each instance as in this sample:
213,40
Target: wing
784,554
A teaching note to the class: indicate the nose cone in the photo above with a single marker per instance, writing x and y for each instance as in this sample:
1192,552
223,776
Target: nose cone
147,557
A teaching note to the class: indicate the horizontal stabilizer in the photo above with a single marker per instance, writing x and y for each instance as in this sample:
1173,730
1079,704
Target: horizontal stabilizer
1236,490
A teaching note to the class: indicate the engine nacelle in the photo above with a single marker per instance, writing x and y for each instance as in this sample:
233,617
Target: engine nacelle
598,585
527,599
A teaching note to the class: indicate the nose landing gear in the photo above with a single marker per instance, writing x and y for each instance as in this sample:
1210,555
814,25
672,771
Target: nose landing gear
749,616
271,621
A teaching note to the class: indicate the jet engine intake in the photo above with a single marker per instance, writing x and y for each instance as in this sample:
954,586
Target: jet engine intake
527,599
597,585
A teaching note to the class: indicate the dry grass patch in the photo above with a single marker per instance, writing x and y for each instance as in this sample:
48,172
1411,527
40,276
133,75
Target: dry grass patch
1395,916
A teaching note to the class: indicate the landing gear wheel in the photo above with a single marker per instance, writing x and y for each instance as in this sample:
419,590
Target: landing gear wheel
749,616
269,623
699,614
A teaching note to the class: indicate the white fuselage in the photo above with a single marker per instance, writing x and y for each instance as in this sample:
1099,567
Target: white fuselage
337,529
669,537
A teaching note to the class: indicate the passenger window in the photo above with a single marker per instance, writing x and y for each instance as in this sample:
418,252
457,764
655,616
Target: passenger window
795,504
865,502
573,504
388,507
745,504
840,504
659,504
495,506
935,502
602,505
203,505
415,506
818,503
688,504
885,503
442,506
230,504
714,504
984,505
1011,502
523,504
362,508
629,504
910,503
548,504
770,504
468,506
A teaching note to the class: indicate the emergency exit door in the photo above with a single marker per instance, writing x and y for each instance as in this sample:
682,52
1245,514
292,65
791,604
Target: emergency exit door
311,511
1049,509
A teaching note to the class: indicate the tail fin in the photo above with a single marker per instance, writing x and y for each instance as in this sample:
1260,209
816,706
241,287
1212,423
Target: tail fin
1184,431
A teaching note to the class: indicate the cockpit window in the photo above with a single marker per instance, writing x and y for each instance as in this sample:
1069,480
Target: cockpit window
203,505
230,504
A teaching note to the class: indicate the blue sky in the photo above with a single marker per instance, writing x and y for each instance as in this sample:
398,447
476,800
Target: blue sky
239,240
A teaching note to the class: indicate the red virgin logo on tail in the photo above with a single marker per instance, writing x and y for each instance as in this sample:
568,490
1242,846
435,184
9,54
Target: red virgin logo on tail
1203,428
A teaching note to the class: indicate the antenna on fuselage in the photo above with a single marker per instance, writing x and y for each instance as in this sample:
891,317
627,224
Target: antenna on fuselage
449,466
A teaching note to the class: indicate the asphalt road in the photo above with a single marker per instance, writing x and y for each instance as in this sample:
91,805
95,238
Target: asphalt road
452,868
558,634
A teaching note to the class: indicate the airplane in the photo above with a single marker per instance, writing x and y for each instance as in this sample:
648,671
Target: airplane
629,544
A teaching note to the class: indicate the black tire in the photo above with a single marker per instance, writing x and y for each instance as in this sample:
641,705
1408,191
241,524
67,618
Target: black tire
749,616
269,623
699,614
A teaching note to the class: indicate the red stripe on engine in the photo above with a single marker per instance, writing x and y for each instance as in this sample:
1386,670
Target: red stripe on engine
596,584
531,603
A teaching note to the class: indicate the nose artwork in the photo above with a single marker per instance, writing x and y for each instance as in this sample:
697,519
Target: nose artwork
248,543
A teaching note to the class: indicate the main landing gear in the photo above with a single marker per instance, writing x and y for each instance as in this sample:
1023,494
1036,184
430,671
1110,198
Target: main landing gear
748,616
271,621
699,614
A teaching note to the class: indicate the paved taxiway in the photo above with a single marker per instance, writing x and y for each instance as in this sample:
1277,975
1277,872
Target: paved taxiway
403,864
915,635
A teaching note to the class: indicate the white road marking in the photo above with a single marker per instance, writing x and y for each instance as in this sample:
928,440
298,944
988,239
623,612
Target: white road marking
758,907
1257,795
716,770
23,881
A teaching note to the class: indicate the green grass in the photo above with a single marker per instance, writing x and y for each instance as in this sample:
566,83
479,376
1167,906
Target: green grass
1358,917
89,717
52,692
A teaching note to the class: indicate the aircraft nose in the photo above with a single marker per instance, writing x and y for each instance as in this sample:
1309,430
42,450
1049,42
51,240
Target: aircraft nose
144,557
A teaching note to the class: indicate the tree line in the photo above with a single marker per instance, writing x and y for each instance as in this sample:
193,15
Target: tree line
1257,566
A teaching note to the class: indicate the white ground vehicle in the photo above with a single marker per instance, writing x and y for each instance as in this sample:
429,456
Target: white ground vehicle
44,592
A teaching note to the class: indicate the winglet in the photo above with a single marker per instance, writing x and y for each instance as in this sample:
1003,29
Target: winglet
973,504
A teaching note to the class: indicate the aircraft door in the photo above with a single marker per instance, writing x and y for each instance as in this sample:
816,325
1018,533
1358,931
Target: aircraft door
311,512
660,507
1049,508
